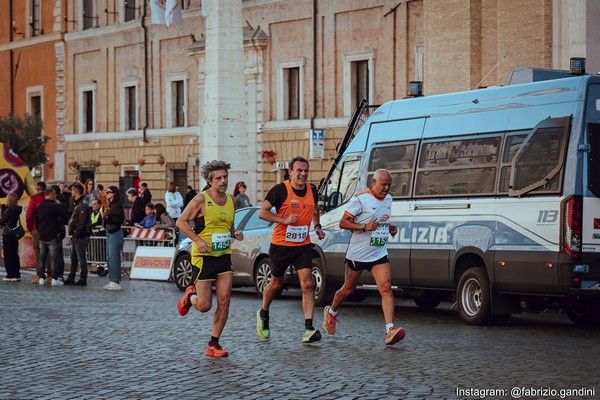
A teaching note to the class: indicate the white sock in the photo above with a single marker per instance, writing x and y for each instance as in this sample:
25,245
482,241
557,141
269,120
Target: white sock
388,327
193,298
331,312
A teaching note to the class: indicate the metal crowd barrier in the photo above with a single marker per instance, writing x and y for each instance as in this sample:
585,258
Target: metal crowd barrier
135,237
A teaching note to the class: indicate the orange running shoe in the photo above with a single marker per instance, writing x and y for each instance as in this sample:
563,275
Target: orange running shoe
394,335
215,350
184,303
329,321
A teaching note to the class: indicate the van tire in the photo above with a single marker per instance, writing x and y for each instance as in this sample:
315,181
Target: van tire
474,297
427,302
583,313
320,286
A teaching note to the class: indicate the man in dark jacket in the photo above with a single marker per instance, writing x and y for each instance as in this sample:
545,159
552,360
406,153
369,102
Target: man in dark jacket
49,216
145,194
79,230
138,208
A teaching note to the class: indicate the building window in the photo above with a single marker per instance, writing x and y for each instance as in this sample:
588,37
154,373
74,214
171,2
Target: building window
292,97
358,80
87,107
290,88
129,106
88,14
176,100
130,10
419,62
35,18
35,105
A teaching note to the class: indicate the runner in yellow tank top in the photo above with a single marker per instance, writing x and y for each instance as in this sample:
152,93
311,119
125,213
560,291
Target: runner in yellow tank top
213,213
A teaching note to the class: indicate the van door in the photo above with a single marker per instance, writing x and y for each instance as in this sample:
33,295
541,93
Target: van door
591,204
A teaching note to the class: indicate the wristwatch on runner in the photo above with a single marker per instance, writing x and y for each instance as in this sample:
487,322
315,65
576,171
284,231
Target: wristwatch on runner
363,227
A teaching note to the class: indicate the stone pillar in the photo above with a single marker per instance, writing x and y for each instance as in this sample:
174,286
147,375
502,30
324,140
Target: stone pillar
60,157
223,132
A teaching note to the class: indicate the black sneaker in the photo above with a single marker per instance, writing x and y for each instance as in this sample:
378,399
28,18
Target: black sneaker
80,282
69,281
103,272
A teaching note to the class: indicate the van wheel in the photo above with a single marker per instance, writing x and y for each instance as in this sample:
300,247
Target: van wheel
427,302
582,312
321,292
474,297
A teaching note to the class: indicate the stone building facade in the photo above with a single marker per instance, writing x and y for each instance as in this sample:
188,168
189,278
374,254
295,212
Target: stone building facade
133,90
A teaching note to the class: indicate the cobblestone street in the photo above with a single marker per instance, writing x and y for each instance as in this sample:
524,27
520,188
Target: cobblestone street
88,343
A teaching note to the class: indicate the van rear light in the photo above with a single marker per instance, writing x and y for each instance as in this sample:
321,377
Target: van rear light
572,211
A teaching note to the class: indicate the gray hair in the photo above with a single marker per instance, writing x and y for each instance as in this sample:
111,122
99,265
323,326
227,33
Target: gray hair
210,167
132,191
380,171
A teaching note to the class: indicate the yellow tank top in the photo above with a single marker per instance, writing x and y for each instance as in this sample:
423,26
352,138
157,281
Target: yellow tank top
217,227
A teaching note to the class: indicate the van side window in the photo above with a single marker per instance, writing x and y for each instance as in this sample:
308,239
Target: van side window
399,160
458,167
512,144
539,161
593,138
342,183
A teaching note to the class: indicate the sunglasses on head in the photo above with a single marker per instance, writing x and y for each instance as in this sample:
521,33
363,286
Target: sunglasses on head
108,191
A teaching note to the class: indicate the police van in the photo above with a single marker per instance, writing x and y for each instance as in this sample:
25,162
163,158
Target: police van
496,196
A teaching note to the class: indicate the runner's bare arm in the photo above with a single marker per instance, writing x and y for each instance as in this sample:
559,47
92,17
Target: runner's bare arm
195,208
347,222
317,224
266,214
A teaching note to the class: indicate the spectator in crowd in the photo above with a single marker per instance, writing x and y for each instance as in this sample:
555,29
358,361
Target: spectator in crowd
10,219
137,207
64,202
150,219
163,219
174,201
190,193
98,247
49,217
145,193
90,192
64,190
79,230
242,199
34,200
102,196
113,220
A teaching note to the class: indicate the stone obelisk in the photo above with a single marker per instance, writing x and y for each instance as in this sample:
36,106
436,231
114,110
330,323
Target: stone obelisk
223,132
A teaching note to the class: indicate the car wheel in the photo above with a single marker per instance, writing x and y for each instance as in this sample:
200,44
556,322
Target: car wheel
474,297
183,272
262,275
320,288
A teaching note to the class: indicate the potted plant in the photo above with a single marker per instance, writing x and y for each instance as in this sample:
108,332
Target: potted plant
160,159
141,161
115,162
97,163
269,155
74,164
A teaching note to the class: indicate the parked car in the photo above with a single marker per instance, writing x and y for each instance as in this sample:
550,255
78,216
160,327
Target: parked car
250,257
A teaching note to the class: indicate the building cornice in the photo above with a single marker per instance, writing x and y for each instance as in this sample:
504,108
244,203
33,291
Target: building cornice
137,134
33,41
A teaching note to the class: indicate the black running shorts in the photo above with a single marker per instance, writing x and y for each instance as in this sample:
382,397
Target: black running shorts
359,265
282,256
208,268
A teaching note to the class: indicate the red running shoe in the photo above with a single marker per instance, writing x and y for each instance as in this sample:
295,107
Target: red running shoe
184,303
394,335
215,350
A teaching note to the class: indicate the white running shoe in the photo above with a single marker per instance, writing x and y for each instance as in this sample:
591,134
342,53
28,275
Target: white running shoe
113,286
42,281
57,282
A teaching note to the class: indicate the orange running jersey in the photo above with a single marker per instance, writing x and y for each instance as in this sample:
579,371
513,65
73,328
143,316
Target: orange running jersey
296,234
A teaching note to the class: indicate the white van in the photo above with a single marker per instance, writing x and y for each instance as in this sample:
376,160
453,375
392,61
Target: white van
496,195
